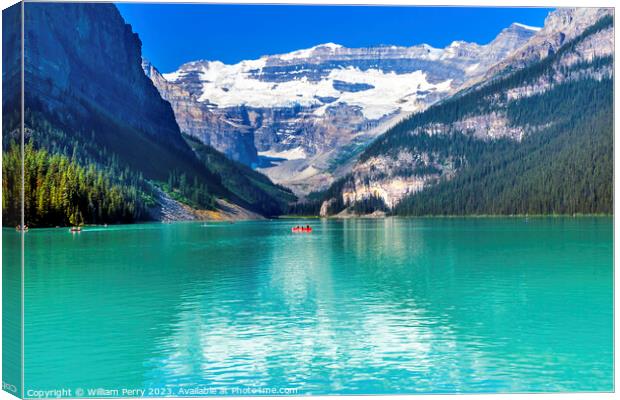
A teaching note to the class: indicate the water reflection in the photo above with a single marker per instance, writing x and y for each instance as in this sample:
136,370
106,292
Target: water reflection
358,306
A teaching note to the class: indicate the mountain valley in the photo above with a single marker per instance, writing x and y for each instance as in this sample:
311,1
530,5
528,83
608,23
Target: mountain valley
298,117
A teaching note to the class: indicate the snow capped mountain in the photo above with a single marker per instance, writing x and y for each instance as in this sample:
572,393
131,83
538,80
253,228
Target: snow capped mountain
322,104
379,80
375,92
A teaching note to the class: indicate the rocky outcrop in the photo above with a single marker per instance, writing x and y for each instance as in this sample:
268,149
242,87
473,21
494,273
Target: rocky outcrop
391,190
487,126
392,178
324,212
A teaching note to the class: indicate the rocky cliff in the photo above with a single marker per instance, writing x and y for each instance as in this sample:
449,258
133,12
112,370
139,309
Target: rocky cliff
222,131
87,56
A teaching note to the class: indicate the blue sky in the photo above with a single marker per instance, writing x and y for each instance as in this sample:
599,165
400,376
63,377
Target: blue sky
173,34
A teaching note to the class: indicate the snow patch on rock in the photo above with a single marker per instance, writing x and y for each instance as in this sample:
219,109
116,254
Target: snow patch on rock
237,85
529,27
297,153
305,53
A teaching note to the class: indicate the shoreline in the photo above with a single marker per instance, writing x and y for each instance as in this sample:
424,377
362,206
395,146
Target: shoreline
311,217
369,216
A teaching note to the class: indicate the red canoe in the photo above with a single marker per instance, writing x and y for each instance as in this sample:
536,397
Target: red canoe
296,230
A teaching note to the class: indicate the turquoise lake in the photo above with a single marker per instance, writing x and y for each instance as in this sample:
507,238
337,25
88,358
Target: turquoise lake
360,306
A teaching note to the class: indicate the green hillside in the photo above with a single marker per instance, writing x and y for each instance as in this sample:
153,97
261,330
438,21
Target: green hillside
565,169
250,187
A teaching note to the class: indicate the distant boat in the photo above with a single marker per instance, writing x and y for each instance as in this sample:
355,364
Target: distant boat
298,229
75,229
20,229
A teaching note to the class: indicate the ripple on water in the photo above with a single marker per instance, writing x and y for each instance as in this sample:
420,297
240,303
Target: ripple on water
358,306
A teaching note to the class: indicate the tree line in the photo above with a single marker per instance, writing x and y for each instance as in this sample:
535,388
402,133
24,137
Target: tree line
59,191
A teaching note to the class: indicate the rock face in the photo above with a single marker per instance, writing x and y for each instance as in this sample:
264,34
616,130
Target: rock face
87,55
220,131
404,165
389,178
297,115
11,69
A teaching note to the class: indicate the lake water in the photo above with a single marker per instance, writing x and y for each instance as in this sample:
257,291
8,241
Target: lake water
356,307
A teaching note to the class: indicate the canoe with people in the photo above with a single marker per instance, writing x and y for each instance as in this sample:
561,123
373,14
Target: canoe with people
302,228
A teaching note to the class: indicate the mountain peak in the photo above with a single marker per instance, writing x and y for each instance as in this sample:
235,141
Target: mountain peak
148,67
306,53
460,43
330,45
518,25
511,38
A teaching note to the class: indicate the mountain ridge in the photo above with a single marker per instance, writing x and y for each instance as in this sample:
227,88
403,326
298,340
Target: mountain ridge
560,26
315,103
